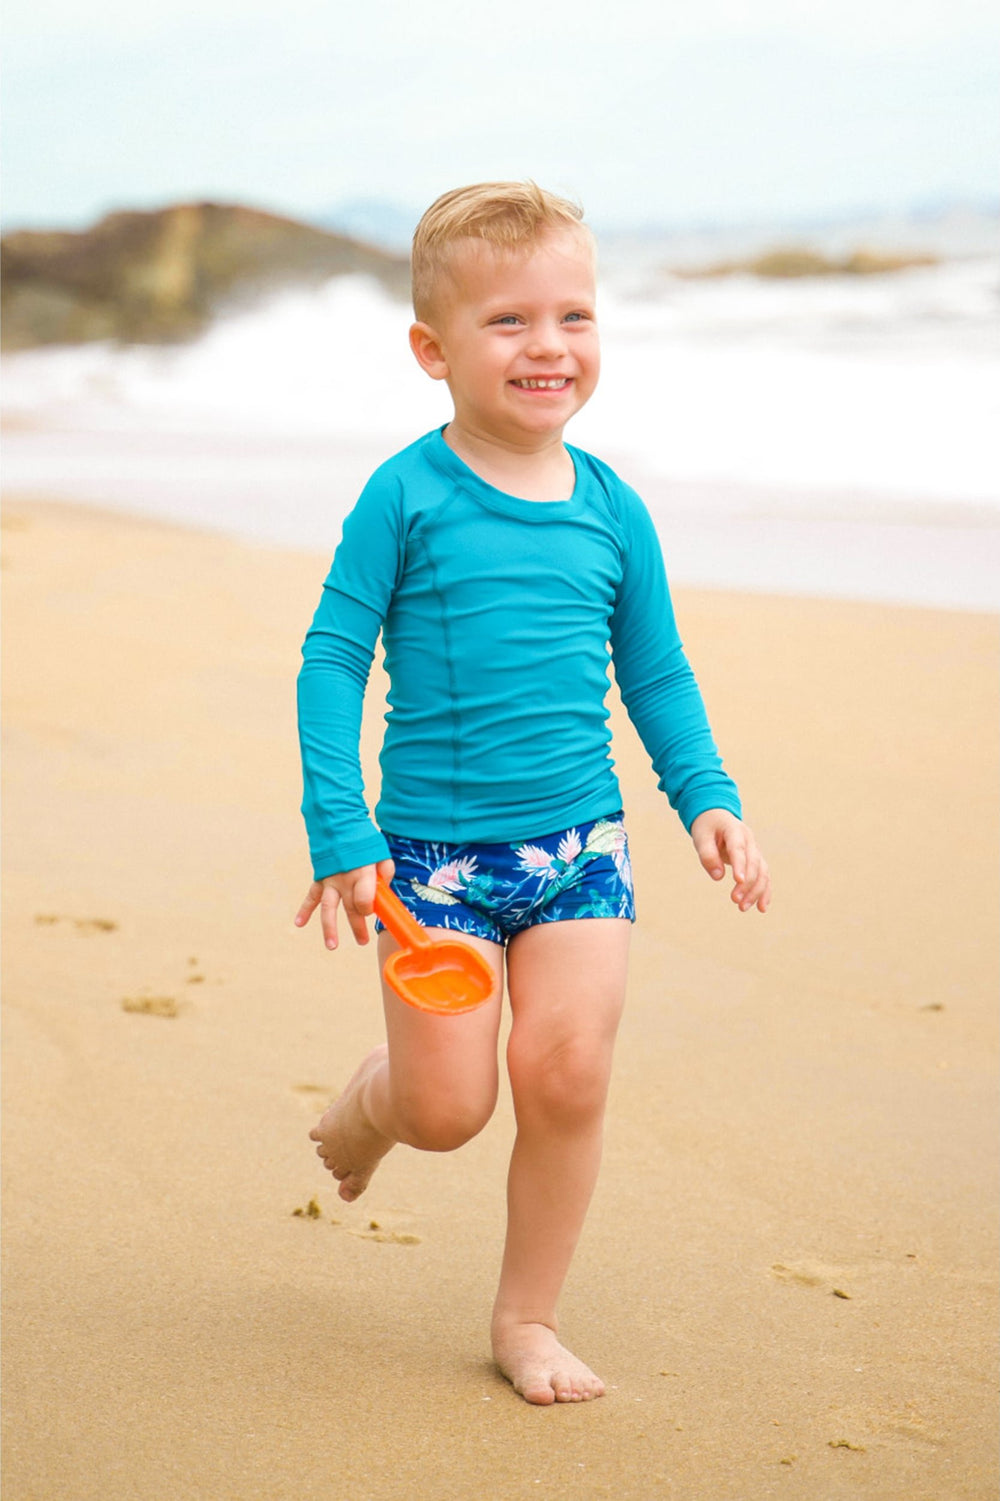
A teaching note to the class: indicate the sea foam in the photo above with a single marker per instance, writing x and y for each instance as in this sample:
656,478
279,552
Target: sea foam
881,383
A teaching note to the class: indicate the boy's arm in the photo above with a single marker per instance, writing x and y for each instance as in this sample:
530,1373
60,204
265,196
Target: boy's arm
656,682
336,659
663,700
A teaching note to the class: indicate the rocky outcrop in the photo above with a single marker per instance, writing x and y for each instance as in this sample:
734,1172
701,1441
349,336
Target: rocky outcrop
793,261
161,276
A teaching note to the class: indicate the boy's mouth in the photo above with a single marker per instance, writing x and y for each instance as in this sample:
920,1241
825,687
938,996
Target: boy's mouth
555,383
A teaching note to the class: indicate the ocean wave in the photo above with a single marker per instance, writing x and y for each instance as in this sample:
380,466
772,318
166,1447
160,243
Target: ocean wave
883,383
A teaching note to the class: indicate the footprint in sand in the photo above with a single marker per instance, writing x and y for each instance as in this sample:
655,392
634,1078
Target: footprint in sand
152,1005
907,1427
386,1230
81,924
913,1427
815,1274
314,1096
375,1230
162,1005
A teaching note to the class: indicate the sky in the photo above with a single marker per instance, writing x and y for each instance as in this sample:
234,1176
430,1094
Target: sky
647,111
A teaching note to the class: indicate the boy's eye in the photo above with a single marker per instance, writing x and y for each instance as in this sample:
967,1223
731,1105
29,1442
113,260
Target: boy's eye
576,317
507,318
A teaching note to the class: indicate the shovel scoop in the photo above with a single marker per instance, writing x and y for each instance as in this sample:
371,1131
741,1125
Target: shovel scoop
440,975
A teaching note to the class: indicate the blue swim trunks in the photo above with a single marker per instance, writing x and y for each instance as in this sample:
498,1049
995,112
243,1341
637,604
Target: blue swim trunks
498,890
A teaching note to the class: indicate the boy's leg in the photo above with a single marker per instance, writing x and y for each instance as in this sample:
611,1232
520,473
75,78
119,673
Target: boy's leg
567,987
432,1085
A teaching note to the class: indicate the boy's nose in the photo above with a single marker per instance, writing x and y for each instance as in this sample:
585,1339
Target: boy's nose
546,342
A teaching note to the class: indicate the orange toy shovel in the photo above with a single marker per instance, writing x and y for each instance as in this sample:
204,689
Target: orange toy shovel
441,975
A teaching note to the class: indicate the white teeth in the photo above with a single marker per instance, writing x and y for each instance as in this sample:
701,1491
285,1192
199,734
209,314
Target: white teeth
543,385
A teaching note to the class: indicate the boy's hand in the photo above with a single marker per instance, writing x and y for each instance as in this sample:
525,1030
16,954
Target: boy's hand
720,840
352,889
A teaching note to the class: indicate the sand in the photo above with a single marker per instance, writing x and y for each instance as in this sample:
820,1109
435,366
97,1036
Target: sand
788,1277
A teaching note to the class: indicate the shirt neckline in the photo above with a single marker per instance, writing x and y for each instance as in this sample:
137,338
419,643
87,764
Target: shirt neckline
447,460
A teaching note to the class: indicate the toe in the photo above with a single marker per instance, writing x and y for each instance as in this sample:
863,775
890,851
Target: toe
352,1186
538,1389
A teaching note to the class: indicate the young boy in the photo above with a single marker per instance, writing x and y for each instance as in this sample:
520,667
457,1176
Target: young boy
500,566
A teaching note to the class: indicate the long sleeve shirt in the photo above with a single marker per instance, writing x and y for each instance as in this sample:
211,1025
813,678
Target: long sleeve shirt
500,618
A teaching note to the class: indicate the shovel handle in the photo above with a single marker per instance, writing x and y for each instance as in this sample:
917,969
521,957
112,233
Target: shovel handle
401,923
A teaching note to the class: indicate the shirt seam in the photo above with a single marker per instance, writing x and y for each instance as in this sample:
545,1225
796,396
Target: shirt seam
454,736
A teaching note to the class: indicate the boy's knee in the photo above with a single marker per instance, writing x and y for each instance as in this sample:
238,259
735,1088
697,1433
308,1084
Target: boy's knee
441,1124
568,1084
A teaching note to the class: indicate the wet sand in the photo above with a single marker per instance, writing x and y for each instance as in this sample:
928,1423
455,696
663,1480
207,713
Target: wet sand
788,1278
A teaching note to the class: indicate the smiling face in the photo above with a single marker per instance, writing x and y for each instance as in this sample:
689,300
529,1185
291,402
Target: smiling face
515,337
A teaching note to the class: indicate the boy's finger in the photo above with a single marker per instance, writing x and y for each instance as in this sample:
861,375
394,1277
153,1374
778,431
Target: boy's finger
759,895
308,907
738,851
363,895
755,892
328,915
751,872
359,902
359,926
707,851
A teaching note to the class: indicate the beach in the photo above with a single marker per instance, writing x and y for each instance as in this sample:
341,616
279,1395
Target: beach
788,1277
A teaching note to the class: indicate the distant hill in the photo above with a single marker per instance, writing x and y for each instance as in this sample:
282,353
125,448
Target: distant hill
160,276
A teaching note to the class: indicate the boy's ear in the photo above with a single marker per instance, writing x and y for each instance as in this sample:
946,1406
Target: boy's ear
427,348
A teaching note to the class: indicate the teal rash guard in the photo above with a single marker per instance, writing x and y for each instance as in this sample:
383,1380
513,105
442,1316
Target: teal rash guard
500,618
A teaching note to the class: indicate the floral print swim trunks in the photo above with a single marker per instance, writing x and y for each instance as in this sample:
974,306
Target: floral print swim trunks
498,890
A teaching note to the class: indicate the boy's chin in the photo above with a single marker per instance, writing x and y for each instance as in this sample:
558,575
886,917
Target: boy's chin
545,414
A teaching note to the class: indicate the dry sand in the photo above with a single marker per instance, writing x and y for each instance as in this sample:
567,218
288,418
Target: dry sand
788,1276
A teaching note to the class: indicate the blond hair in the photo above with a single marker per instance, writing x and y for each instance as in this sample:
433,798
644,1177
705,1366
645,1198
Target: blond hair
507,216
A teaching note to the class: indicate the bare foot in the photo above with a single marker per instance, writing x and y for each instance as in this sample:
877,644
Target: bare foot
348,1143
537,1366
